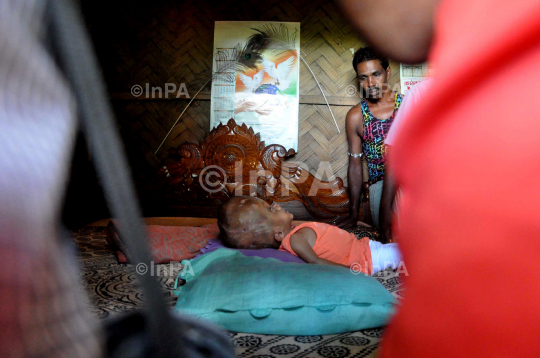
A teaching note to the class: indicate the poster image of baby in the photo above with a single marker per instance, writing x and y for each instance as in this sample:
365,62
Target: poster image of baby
266,98
276,75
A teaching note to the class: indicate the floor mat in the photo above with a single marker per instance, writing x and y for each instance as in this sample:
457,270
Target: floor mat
112,289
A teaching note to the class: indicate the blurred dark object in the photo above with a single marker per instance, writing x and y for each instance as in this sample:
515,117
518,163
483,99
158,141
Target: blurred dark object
154,331
362,231
84,201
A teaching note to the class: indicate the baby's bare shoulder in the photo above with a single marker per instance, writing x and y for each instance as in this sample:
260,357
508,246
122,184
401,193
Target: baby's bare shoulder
305,233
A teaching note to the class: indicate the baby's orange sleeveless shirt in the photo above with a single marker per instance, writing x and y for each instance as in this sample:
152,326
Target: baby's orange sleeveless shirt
336,245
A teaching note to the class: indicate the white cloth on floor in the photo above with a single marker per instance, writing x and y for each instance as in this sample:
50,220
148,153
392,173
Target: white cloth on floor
384,256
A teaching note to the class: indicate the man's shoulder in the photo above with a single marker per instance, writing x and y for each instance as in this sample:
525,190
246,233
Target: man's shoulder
355,112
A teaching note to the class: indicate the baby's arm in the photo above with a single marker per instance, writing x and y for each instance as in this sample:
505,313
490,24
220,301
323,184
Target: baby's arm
300,244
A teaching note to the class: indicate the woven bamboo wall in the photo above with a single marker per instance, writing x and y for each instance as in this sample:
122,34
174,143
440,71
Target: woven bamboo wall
171,42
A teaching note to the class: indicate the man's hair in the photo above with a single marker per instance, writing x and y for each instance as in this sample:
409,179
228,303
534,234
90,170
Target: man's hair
367,54
231,230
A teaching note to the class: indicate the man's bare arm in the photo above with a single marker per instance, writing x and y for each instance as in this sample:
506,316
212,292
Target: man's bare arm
354,170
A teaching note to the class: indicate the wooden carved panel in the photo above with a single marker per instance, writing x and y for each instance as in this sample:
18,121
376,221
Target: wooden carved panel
232,160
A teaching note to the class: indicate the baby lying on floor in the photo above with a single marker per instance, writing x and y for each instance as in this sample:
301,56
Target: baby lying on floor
251,223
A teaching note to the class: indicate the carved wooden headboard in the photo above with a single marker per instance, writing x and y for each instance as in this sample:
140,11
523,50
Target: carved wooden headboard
232,160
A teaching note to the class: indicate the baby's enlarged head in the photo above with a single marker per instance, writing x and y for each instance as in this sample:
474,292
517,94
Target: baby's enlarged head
251,223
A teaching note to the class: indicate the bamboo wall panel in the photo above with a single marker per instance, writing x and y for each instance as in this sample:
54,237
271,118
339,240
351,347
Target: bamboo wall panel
171,42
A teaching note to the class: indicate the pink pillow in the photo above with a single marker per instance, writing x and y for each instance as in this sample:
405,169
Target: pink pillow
213,228
167,243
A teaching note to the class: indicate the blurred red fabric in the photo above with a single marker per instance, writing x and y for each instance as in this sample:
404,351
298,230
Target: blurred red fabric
468,165
167,243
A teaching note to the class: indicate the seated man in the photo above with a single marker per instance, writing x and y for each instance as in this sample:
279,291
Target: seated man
251,223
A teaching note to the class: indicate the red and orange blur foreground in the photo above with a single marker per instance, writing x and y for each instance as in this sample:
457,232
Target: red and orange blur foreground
469,171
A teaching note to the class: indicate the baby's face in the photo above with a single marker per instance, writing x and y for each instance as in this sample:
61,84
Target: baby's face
273,214
274,218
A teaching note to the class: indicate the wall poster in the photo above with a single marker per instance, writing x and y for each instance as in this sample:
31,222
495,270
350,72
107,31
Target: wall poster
256,78
412,74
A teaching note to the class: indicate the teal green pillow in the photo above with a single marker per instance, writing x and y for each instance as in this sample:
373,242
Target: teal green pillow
267,296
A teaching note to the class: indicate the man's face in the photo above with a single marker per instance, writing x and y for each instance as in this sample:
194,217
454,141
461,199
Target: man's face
373,79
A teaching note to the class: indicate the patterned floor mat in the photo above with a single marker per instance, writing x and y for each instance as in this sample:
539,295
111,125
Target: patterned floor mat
112,288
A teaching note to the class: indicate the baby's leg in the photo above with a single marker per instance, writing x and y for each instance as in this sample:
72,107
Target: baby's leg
384,256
